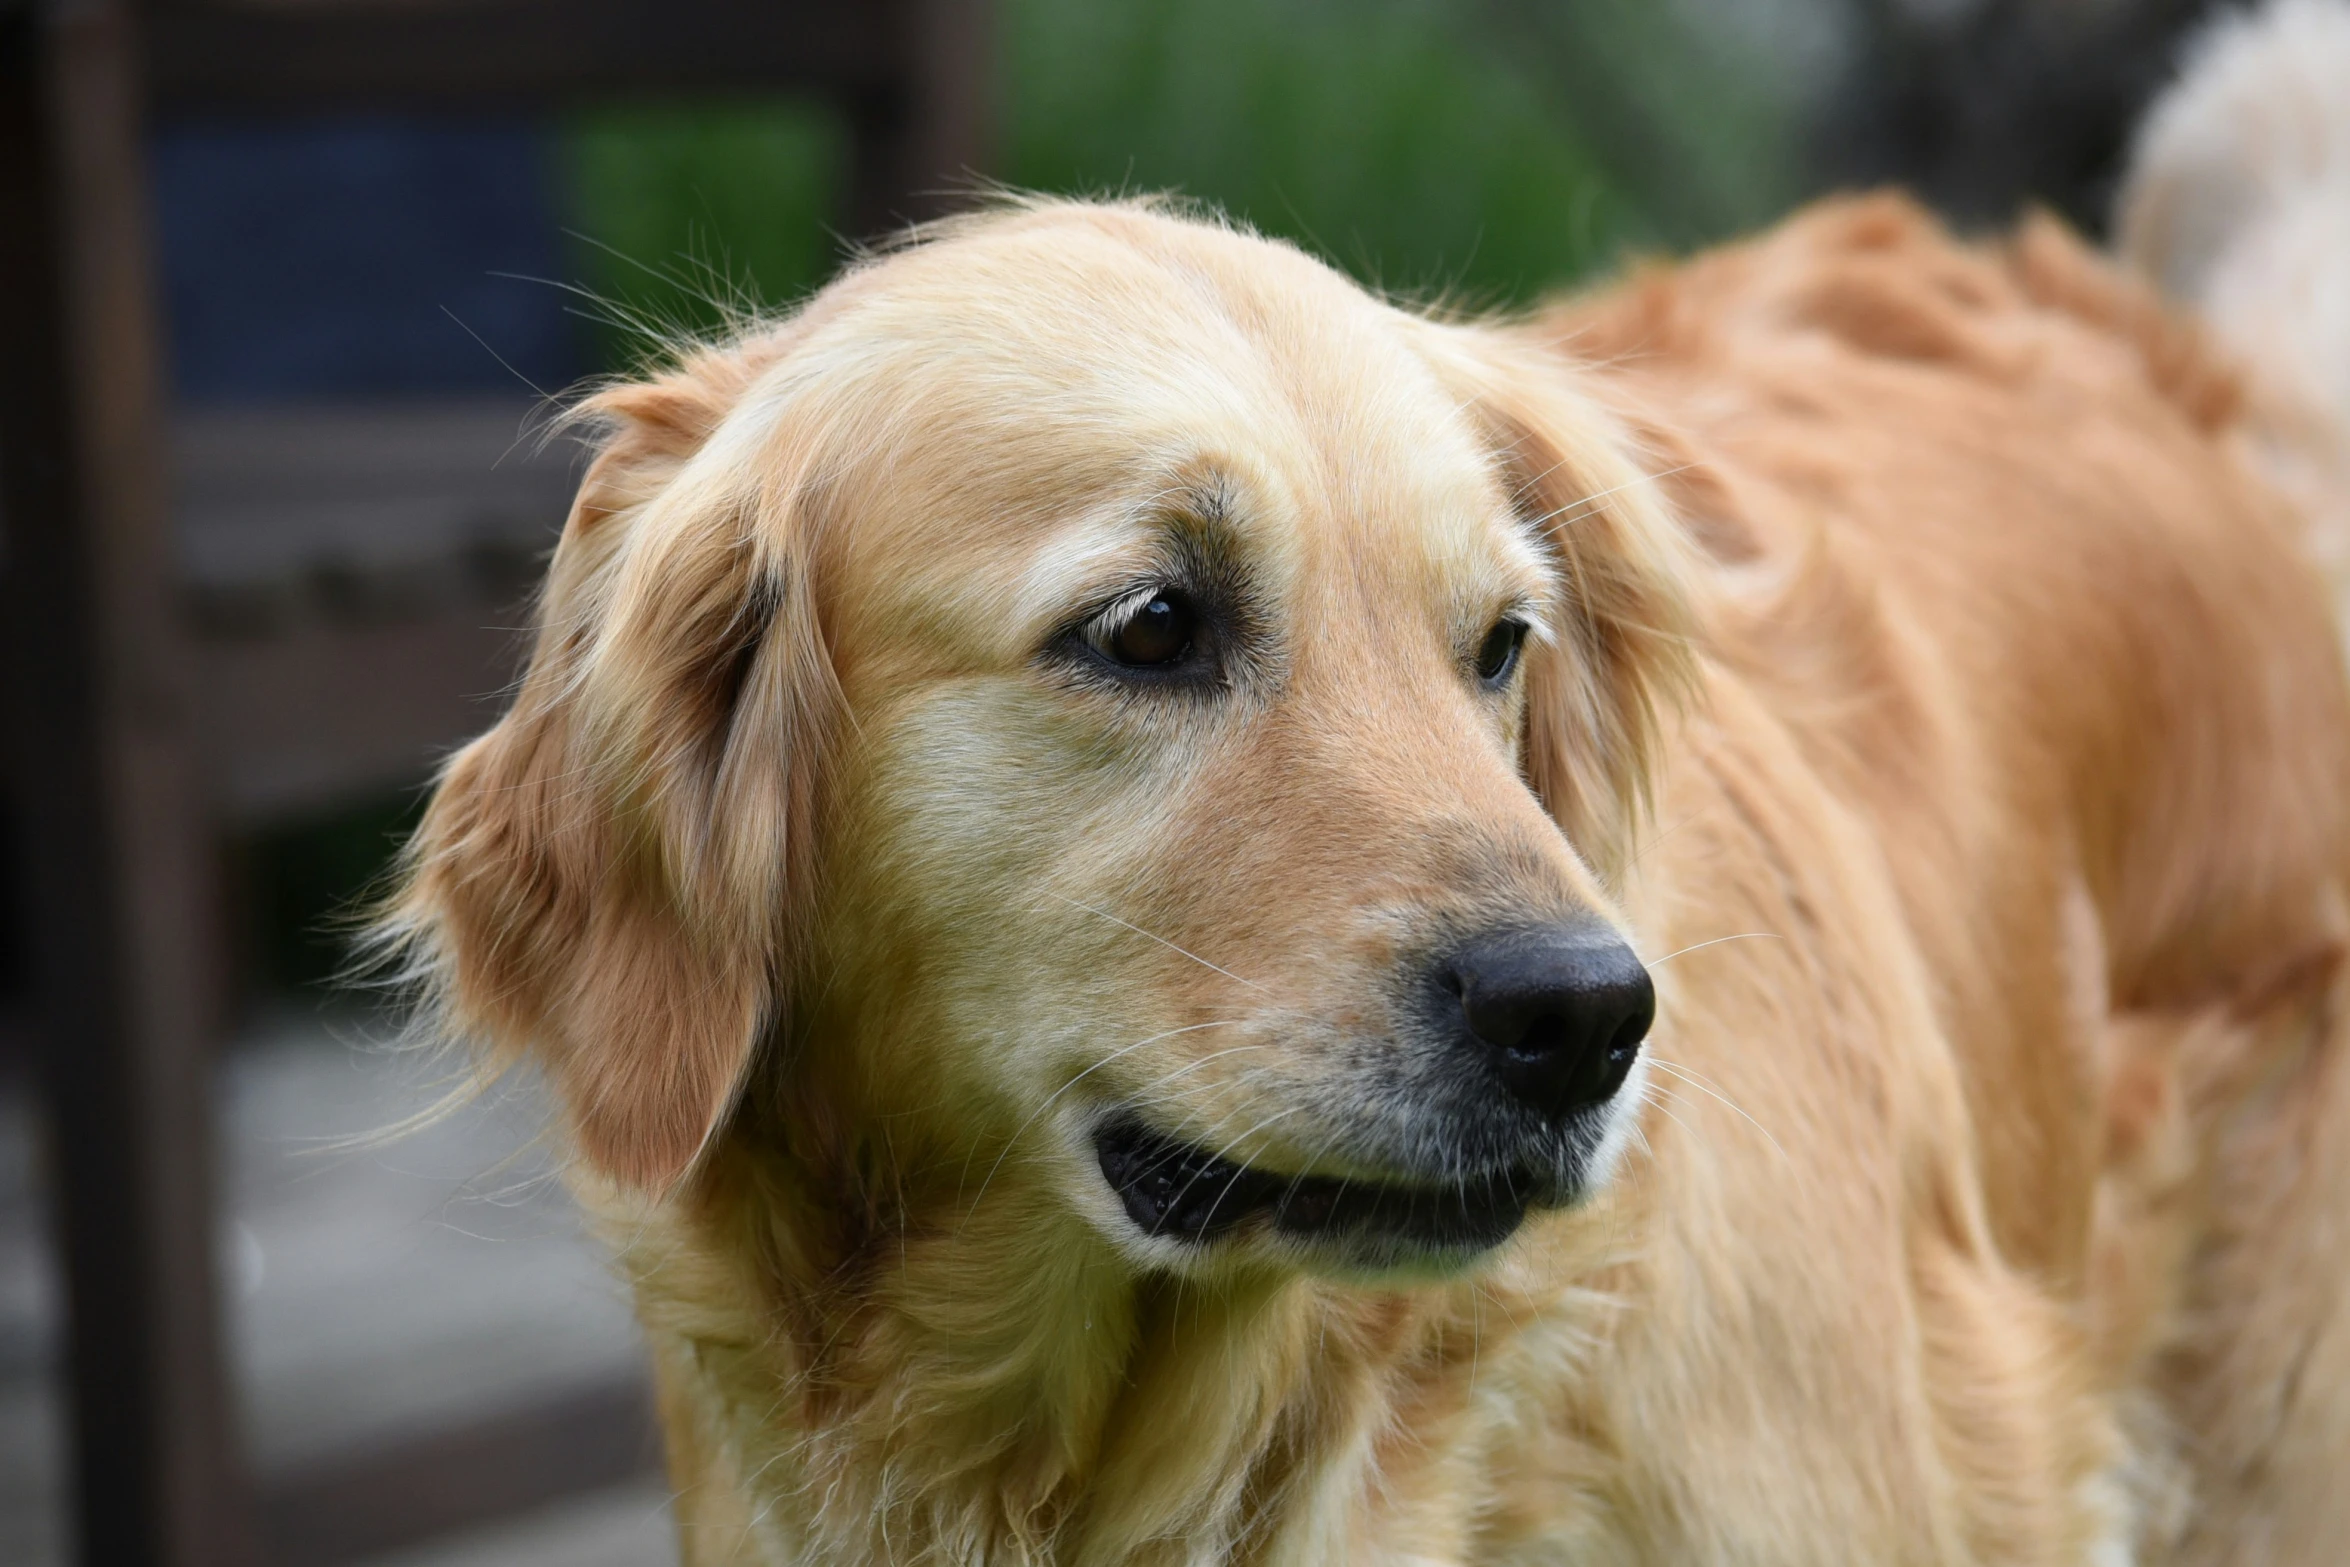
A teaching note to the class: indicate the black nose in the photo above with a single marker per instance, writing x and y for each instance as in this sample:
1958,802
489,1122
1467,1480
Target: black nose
1558,1011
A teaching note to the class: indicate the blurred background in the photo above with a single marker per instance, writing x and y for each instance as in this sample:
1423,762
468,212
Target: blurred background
288,289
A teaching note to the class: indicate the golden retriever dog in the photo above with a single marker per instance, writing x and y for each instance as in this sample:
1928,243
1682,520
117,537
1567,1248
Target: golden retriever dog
1182,916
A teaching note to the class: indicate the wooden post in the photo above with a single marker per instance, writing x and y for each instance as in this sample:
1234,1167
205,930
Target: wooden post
119,900
118,867
919,142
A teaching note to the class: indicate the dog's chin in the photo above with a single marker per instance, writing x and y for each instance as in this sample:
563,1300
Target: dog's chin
1188,1203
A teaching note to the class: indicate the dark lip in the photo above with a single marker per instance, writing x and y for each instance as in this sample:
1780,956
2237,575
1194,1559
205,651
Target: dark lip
1175,1190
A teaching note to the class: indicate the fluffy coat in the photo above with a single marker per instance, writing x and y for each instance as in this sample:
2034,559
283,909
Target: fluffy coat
1920,675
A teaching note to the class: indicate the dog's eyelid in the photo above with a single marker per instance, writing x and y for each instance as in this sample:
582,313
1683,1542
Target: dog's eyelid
1130,604
1528,615
1103,611
1100,628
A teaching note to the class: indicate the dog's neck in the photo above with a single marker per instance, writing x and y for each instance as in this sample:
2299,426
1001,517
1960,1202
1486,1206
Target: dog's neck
878,1374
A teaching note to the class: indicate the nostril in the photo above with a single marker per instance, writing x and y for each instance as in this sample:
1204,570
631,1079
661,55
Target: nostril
1544,1036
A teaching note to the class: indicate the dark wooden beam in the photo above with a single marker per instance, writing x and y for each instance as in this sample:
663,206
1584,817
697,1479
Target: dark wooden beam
921,140
506,53
913,76
117,868
364,1504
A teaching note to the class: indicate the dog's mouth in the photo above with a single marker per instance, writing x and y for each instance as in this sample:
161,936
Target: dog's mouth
1173,1190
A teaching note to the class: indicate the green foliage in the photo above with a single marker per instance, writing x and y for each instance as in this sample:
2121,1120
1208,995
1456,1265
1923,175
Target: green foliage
687,218
1376,133
1478,148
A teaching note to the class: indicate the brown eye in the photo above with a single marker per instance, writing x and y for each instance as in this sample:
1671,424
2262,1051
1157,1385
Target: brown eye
1498,655
1157,633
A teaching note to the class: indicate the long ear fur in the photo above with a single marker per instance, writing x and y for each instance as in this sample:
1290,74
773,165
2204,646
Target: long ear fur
609,880
1601,691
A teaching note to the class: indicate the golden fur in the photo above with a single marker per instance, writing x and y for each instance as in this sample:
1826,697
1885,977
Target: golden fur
1952,723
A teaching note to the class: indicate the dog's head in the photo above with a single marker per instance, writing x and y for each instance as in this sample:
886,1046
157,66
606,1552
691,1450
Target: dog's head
1099,692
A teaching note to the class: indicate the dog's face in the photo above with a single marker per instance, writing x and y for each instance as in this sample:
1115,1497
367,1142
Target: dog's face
1101,695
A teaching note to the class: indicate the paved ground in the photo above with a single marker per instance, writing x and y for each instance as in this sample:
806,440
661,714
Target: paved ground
625,1527
381,1288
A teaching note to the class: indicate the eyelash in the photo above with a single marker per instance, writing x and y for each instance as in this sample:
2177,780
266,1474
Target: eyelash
1113,617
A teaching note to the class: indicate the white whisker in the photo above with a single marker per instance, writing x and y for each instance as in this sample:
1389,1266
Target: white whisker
1576,510
1684,1075
1114,1055
1744,935
1161,940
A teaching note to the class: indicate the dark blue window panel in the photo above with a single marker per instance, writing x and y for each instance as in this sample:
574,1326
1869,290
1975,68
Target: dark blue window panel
360,258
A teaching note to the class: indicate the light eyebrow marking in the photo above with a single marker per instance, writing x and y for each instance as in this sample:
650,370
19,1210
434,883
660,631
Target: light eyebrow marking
1118,546
1079,560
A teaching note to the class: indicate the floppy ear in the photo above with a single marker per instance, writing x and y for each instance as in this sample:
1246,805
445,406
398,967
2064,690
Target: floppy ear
1621,662
609,880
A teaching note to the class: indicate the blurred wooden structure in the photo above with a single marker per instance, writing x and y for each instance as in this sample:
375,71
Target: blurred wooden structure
116,794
